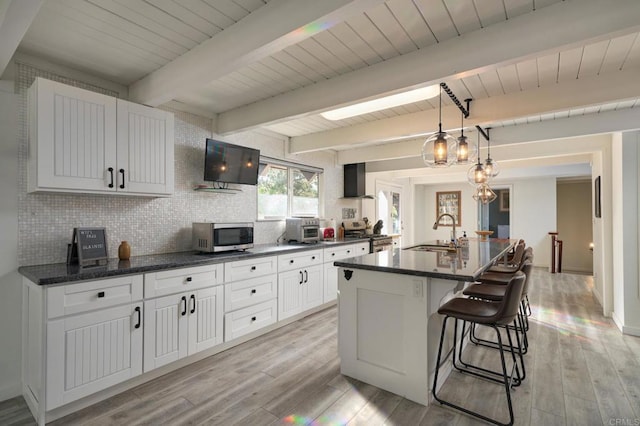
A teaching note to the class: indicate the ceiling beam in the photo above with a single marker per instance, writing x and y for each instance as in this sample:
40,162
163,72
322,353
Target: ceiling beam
597,90
550,29
15,18
271,28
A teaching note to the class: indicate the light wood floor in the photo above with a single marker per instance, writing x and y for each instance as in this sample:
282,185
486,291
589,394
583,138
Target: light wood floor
581,371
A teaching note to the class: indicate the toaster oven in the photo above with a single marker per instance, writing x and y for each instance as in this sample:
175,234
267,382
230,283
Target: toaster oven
303,229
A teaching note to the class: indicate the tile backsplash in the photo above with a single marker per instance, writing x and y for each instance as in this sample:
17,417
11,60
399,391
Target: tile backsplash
150,225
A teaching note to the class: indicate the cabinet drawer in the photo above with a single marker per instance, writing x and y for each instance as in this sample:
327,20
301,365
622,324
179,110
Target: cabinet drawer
287,262
91,295
245,293
185,279
251,268
249,319
343,252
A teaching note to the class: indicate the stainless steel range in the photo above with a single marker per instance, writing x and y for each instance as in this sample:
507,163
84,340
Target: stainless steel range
356,229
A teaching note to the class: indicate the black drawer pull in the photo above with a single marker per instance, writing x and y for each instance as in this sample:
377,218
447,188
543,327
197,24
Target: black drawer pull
137,309
193,299
333,254
111,175
291,261
184,310
313,258
253,318
306,276
348,251
101,294
253,268
253,291
189,279
122,184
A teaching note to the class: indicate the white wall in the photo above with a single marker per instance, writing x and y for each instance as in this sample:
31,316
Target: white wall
10,290
425,213
533,204
626,179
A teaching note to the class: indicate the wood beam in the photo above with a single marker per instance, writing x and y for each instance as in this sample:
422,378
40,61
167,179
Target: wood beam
550,29
273,27
581,93
15,18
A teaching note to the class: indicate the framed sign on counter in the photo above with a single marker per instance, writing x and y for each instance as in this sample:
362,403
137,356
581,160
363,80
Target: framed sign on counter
449,202
88,247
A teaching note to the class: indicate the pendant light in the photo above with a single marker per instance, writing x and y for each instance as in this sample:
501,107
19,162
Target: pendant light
484,194
439,150
464,152
491,168
476,174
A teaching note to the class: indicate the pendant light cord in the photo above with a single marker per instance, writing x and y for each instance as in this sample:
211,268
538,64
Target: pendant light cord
440,113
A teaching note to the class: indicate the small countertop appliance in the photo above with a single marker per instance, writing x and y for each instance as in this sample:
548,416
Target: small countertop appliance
302,229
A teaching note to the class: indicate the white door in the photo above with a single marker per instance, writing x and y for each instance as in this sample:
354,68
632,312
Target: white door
73,135
90,352
165,330
389,207
145,149
312,287
205,318
290,293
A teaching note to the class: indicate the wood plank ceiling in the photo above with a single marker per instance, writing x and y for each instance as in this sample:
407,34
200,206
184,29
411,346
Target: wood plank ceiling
128,40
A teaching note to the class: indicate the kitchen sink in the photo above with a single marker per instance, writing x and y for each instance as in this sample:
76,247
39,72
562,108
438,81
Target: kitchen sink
432,247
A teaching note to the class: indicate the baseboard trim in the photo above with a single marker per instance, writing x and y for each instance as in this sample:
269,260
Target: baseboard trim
617,322
632,331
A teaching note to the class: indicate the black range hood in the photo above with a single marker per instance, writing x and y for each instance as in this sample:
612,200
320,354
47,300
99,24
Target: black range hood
354,181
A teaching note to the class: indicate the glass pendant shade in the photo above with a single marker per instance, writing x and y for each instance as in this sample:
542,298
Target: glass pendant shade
439,150
491,168
484,194
476,174
465,152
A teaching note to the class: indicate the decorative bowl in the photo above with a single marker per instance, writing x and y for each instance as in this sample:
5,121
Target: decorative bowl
484,235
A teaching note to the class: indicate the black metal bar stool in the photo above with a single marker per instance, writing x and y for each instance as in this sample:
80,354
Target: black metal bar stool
491,314
496,293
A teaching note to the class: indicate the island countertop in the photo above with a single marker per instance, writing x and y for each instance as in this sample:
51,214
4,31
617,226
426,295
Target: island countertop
466,264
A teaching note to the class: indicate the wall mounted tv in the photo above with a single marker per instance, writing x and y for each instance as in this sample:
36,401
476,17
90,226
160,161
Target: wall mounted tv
228,163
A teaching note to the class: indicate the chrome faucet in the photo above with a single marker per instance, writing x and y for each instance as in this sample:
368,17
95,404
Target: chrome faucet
453,220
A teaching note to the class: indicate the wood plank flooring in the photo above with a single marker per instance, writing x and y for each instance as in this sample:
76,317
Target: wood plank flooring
581,371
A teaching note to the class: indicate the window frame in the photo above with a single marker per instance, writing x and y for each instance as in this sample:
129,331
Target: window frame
290,166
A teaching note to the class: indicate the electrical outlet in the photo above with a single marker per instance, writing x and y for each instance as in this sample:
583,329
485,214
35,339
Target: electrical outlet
417,289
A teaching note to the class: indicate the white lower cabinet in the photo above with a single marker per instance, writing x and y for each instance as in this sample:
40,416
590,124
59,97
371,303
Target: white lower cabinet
246,320
182,324
90,352
299,290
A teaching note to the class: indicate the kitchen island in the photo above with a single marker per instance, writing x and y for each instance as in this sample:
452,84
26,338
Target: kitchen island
389,326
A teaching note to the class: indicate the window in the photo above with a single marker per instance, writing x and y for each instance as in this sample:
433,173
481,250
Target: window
287,189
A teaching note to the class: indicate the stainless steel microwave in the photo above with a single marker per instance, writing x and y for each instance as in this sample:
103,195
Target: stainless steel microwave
216,237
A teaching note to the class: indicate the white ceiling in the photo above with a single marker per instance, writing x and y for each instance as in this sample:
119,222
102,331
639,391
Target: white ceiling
276,64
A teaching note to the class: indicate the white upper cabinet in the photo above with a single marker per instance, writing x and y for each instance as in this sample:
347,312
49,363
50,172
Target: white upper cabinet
82,141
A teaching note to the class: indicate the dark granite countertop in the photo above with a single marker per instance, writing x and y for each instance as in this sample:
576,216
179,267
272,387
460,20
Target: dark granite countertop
466,264
60,273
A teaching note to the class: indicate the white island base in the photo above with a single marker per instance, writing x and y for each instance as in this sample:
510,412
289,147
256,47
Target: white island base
389,330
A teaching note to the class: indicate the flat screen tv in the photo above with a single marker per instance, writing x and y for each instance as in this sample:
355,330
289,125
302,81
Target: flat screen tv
228,163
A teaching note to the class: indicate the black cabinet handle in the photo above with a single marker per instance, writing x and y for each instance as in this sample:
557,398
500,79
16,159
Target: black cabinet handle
122,184
333,254
101,294
189,279
253,318
137,309
253,291
291,261
253,268
306,276
313,258
301,277
193,299
184,310
111,175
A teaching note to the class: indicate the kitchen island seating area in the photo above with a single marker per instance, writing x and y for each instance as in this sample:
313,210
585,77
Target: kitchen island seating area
497,303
